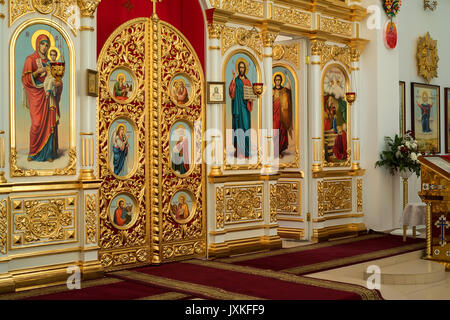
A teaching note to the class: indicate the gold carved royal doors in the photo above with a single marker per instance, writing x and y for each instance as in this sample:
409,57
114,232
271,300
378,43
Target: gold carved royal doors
150,125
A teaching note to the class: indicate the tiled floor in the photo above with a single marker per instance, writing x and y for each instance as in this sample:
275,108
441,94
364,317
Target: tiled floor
411,261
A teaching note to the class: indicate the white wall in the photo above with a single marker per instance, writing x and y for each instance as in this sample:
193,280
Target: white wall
381,70
414,22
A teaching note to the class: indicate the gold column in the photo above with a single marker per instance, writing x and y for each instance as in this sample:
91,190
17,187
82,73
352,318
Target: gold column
429,235
2,156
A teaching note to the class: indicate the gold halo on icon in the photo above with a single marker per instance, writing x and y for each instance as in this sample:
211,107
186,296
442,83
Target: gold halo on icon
121,125
237,65
58,53
37,34
121,199
121,75
283,79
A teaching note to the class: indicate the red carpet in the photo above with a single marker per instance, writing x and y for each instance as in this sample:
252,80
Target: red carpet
215,280
324,256
101,289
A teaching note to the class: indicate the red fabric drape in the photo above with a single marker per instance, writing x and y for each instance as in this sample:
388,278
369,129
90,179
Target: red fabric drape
185,15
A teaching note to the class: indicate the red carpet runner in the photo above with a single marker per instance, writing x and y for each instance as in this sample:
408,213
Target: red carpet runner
328,255
216,280
101,289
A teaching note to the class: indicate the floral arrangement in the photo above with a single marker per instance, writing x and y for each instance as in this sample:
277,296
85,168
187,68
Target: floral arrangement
401,154
392,7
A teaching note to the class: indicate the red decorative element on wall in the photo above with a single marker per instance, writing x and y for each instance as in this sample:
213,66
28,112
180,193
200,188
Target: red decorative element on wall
391,35
186,15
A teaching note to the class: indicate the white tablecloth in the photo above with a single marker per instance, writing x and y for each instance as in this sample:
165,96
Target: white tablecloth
414,214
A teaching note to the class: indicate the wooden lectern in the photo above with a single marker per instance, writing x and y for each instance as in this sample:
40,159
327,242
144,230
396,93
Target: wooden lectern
435,192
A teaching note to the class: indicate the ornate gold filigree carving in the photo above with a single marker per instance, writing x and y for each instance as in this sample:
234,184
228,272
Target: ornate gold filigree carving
170,252
359,195
336,26
292,16
240,36
355,54
17,9
220,208
273,203
427,57
3,227
336,53
247,7
127,47
119,259
268,38
286,197
67,11
88,7
43,6
90,213
215,30
44,221
19,172
287,52
334,196
243,203
316,47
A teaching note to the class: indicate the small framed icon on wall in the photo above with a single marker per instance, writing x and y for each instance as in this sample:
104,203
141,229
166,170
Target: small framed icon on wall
92,83
215,92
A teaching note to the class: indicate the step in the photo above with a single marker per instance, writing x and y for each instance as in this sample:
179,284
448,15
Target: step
411,272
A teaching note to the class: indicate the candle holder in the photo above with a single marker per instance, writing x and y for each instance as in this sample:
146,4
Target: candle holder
350,97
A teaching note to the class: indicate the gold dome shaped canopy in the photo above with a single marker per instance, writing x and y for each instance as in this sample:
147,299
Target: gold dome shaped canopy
427,57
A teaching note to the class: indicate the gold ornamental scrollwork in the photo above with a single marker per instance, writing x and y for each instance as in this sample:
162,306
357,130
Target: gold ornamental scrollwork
239,36
243,204
215,30
292,16
286,197
18,8
268,38
336,26
359,195
316,47
273,203
246,7
68,12
44,221
88,7
287,52
43,6
334,196
90,212
427,57
335,53
3,227
220,208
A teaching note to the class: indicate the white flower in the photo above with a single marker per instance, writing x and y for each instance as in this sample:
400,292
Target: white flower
408,144
398,154
399,147
414,145
413,156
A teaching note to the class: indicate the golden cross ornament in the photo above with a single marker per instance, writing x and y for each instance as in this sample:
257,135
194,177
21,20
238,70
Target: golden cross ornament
154,5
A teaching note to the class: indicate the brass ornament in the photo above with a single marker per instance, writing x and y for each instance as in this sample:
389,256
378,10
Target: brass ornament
88,7
335,53
215,30
245,7
44,221
239,36
17,9
334,196
359,195
268,38
427,57
43,6
316,47
286,197
3,227
91,218
287,52
333,25
244,203
220,208
292,16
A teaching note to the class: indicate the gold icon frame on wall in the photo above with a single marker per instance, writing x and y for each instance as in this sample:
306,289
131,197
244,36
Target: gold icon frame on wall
193,210
70,169
136,85
296,162
325,163
258,163
192,165
136,211
124,116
